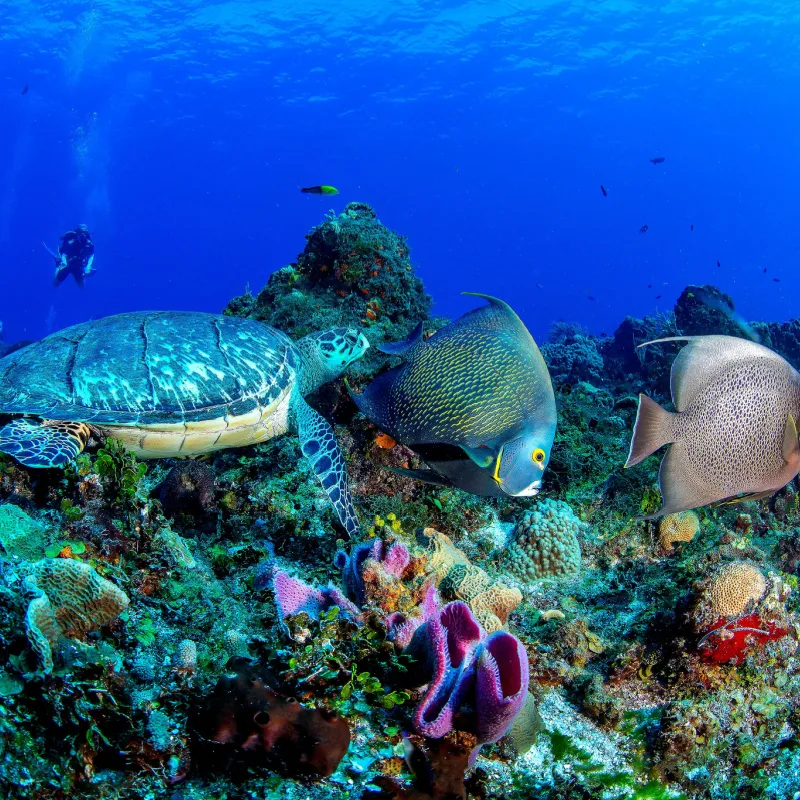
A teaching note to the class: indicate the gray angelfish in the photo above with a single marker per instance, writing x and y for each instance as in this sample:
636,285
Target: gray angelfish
734,431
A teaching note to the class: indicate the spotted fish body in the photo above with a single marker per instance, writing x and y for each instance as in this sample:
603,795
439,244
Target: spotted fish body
734,429
479,384
164,383
469,384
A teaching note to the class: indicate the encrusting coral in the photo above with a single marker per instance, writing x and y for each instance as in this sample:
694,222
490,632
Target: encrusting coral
246,718
680,527
545,544
490,600
69,599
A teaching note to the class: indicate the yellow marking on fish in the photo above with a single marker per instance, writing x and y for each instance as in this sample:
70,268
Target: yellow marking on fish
496,475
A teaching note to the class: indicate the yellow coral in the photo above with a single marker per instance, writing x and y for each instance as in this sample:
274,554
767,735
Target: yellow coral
69,599
443,554
733,590
680,527
491,601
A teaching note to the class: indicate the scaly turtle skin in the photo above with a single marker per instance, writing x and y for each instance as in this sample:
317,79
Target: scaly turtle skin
175,384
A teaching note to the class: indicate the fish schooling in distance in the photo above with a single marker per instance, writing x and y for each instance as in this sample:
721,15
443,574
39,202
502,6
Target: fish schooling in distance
733,434
326,190
474,401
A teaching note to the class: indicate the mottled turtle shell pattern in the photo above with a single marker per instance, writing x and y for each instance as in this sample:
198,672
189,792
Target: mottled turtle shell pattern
150,368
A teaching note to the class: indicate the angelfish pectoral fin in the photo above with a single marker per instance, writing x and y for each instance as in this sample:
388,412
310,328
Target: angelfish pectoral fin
482,456
790,443
43,445
319,446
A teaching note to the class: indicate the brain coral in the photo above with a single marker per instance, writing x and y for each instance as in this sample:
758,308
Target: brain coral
490,601
734,589
68,599
680,527
545,543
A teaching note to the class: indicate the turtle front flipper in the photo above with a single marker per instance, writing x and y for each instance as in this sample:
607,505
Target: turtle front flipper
319,446
43,444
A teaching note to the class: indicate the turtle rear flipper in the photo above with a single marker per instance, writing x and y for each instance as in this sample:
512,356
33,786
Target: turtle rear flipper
43,444
319,446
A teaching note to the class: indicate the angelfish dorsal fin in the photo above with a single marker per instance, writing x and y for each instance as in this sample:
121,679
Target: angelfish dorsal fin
790,443
405,347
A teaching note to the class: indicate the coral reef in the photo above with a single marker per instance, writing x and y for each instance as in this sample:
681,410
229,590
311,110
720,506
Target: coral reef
188,488
245,715
68,599
545,544
680,527
195,629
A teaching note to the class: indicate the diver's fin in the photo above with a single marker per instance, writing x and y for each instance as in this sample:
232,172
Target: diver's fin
482,456
43,444
704,359
653,429
405,347
790,443
423,475
319,446
679,490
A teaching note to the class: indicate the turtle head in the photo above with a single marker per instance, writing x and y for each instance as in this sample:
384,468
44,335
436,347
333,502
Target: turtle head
326,355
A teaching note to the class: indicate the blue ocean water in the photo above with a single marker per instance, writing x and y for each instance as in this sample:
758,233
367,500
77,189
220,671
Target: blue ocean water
181,133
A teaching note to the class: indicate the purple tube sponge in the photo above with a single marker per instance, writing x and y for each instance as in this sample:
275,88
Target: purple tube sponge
444,645
501,685
351,565
293,596
464,670
393,560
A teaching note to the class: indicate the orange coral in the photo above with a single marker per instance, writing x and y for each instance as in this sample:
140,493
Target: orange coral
384,441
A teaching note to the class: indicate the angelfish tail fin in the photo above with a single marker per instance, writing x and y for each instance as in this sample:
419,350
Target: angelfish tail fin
653,429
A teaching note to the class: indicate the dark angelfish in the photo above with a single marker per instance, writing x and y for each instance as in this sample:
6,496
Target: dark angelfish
474,400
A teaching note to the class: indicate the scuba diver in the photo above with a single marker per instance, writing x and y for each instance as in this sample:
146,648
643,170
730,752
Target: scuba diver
75,256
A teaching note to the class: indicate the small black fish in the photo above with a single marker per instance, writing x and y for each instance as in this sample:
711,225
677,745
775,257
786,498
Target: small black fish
24,89
644,229
777,280
691,227
604,190
658,297
657,160
765,270
718,264
649,285
589,297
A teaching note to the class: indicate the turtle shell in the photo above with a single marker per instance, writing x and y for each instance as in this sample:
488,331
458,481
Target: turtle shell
150,368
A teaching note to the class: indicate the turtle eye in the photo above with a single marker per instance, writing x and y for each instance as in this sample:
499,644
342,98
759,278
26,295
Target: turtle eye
538,455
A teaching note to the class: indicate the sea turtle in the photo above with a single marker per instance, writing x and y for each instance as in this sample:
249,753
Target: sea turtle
175,383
